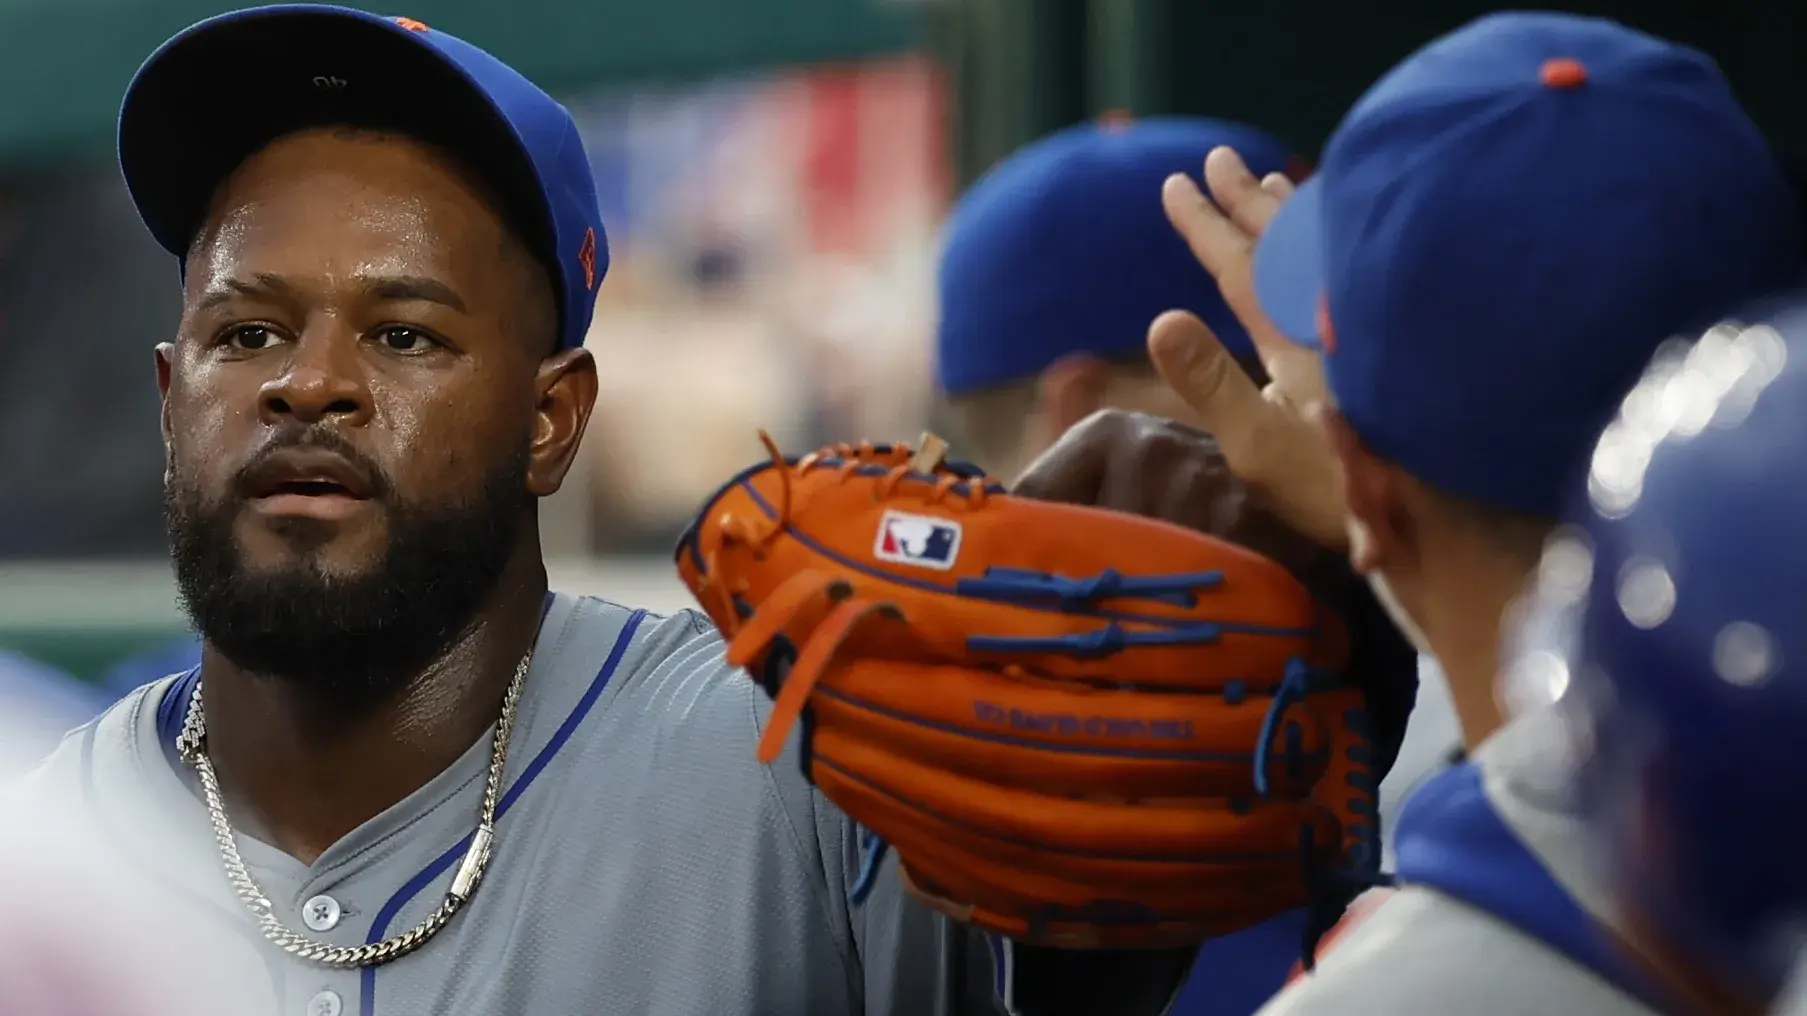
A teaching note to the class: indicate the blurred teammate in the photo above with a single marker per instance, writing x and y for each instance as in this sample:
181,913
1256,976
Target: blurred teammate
1024,355
85,935
1680,598
1502,230
40,704
398,742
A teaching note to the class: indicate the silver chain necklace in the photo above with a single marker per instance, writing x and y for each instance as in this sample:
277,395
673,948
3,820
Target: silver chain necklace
192,745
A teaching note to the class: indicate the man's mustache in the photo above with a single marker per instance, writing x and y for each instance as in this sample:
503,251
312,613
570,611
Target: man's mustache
315,437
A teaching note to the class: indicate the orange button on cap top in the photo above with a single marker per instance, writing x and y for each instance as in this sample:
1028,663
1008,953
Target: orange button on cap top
1562,72
1115,121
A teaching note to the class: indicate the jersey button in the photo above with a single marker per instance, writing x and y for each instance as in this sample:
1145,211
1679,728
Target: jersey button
324,1004
322,914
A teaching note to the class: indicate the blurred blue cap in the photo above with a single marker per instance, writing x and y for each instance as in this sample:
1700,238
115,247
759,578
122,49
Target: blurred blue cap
1063,248
1686,662
1504,228
222,89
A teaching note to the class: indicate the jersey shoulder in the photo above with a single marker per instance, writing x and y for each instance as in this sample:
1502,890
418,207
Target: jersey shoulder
678,701
675,685
1416,949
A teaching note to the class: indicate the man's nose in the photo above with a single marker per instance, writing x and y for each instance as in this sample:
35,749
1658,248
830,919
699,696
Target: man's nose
321,379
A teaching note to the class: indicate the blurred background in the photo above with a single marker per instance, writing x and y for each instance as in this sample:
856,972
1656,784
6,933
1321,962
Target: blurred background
773,174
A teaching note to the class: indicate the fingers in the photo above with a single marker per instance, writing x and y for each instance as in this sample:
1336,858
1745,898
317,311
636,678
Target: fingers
1246,200
1216,241
1268,444
1226,248
1223,399
1279,185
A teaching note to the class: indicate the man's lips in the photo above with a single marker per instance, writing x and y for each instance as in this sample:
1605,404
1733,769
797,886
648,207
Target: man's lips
329,507
308,482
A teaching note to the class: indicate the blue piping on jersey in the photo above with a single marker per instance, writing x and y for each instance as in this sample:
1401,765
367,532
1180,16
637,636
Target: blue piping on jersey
172,713
413,887
1450,839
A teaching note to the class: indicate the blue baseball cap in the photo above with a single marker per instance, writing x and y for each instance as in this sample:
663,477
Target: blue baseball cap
1502,231
222,89
1063,248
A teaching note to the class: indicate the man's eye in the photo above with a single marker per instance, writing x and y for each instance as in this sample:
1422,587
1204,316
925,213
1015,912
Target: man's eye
251,337
406,340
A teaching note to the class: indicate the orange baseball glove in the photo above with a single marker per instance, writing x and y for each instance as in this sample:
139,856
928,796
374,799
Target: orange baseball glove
1078,728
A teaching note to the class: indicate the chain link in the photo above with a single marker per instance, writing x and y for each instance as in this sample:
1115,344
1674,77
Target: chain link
192,745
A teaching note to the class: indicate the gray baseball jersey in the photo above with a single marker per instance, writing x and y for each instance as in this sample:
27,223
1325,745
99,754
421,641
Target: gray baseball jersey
643,863
1507,874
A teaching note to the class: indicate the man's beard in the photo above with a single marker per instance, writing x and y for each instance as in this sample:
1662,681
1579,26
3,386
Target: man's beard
354,639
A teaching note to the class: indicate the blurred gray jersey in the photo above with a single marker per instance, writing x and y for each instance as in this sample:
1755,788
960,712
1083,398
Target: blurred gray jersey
1420,951
643,863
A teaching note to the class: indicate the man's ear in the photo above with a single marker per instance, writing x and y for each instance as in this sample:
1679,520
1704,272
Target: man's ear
566,384
165,355
1069,390
1381,532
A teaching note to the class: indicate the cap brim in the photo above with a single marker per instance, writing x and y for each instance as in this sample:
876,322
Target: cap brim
1289,265
219,91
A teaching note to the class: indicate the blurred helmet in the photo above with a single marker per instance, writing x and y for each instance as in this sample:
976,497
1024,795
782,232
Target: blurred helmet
1680,595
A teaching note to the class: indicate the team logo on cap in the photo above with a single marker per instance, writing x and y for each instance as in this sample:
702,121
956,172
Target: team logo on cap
412,25
920,540
586,256
1326,329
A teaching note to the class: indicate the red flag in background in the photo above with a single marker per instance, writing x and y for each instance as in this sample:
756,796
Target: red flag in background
874,154
831,164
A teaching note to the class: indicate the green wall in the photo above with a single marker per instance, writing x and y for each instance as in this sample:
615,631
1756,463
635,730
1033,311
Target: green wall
65,63
1025,67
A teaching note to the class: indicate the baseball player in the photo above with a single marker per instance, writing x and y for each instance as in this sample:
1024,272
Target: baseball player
1677,641
44,704
1509,222
1023,357
405,772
